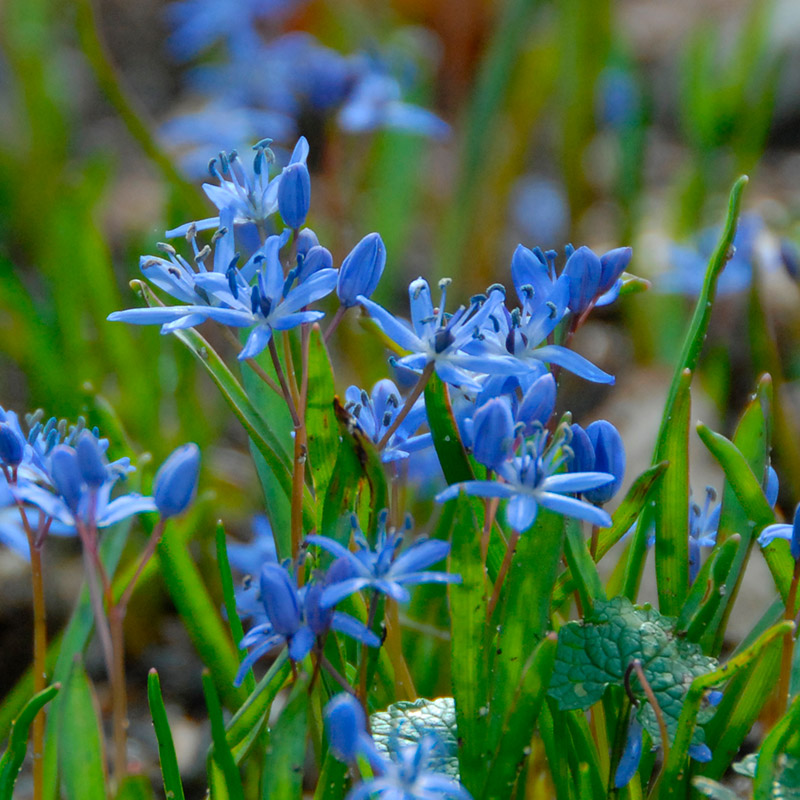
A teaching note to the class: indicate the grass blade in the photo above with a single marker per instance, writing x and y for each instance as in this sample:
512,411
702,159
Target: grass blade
221,752
170,771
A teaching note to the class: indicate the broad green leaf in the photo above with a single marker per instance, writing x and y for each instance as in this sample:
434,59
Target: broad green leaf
322,429
405,723
687,360
747,766
200,614
229,598
282,778
469,636
333,779
81,758
220,753
596,653
671,510
513,745
11,762
170,772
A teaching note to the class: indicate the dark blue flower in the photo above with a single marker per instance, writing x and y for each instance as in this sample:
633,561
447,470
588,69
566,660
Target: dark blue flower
493,433
382,569
175,483
346,725
599,448
361,270
12,446
631,755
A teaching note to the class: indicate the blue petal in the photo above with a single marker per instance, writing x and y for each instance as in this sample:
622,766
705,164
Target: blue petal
395,330
570,507
772,532
333,594
124,507
555,354
346,624
419,556
575,481
252,657
521,512
256,342
477,489
301,643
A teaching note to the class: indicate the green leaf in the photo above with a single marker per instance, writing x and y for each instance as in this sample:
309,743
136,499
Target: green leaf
199,614
469,635
170,771
11,762
778,769
513,745
687,360
220,753
671,510
453,458
282,778
136,787
596,653
673,774
333,779
229,598
80,744
321,426
405,723
582,566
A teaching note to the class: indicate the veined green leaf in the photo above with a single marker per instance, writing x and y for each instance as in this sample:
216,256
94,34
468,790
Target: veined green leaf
597,653
170,771
11,762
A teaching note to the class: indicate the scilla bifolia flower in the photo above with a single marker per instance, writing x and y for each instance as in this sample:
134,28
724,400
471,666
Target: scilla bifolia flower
784,531
532,478
599,448
381,569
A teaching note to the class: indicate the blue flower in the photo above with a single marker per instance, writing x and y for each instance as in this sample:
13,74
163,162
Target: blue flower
688,264
295,618
784,531
532,478
631,755
346,725
361,270
253,198
375,102
439,339
382,569
175,483
12,446
374,414
77,500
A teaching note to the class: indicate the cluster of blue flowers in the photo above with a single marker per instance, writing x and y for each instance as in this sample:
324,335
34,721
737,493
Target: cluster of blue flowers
257,83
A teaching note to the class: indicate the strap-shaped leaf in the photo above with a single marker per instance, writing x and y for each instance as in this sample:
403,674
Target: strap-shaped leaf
12,759
594,654
166,747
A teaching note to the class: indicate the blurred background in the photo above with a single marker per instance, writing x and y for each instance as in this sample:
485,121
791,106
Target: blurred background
455,128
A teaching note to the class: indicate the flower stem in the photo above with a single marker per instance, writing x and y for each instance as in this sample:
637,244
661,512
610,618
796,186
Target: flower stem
651,698
287,395
787,653
403,682
501,576
39,646
119,697
337,318
155,537
594,542
418,389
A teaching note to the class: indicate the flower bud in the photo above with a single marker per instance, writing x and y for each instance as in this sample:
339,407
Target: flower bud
176,482
361,270
316,259
631,755
612,265
492,433
346,724
294,194
66,475
91,462
279,596
609,456
538,403
12,447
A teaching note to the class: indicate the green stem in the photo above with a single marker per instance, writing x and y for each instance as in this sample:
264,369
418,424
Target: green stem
418,389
